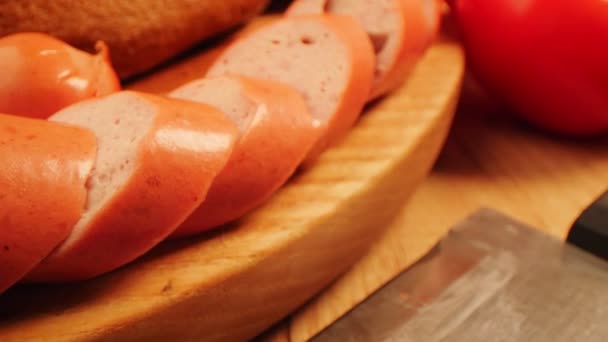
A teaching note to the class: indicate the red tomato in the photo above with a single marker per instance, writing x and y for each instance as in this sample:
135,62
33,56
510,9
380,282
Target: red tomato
546,59
41,74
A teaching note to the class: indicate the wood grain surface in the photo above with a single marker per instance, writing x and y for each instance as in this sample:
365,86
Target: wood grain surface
489,160
232,284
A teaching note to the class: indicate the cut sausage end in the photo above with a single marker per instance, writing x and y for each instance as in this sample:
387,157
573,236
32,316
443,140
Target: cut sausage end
399,30
156,160
277,131
224,93
119,135
328,59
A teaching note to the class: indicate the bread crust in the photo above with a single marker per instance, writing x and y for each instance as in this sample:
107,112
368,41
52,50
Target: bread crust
141,34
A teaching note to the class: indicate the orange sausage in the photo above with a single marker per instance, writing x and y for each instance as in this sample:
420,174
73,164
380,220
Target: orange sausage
400,31
44,169
277,131
41,74
328,59
156,160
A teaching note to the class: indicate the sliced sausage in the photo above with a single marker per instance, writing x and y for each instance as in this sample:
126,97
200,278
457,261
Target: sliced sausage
277,131
45,167
329,59
41,74
400,31
156,160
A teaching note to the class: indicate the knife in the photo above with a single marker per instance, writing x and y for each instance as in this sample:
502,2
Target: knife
590,231
492,278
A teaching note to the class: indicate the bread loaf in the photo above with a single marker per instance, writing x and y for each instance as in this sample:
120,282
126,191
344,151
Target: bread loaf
140,33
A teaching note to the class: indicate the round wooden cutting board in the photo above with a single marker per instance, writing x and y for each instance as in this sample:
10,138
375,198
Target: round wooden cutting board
234,283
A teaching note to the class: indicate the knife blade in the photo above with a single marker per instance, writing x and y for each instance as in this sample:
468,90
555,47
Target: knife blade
491,279
590,230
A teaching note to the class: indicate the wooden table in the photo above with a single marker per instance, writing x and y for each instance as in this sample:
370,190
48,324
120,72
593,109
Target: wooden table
489,160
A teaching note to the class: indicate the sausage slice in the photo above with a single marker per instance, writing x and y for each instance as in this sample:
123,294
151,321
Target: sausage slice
328,59
45,166
400,31
156,160
277,131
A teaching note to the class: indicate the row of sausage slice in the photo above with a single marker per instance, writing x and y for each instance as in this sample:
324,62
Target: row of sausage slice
105,179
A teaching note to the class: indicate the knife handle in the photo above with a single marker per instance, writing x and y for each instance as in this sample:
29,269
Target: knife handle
590,230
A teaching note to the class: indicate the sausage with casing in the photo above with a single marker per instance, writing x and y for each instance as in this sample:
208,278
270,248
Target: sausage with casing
400,31
44,169
41,74
277,131
155,163
328,59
